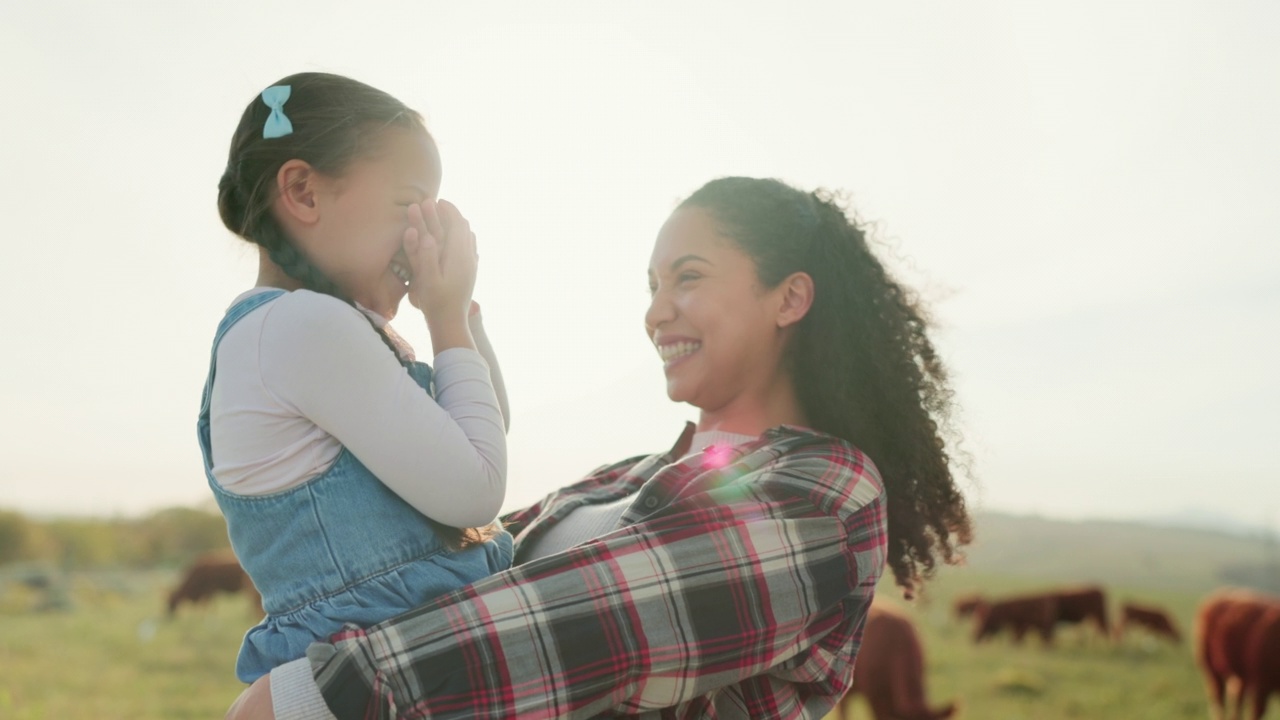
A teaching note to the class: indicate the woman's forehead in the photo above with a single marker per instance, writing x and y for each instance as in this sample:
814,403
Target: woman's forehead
689,231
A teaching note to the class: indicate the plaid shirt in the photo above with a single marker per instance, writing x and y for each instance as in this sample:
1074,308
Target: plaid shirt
736,585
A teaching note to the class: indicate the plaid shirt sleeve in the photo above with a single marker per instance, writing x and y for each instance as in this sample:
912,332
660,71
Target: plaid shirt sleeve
743,596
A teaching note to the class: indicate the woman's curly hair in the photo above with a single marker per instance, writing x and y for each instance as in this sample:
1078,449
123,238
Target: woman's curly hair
862,362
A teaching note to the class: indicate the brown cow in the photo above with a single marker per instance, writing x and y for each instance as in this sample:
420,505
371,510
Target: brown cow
1042,612
1262,659
964,605
1019,614
209,575
889,670
1080,604
1152,618
1231,633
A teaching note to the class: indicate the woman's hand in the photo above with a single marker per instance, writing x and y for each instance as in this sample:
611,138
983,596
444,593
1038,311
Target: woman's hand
442,255
254,703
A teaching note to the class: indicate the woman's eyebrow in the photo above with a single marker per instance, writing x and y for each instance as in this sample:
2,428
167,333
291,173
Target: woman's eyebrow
675,265
686,259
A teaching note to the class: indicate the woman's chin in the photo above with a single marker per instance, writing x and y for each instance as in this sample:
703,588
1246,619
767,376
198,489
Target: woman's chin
677,392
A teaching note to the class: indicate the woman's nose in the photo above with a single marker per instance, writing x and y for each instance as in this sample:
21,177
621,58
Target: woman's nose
661,310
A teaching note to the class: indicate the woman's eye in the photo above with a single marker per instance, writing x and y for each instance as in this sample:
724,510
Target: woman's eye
688,277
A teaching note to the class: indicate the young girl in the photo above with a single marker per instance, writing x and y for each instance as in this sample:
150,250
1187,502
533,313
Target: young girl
356,482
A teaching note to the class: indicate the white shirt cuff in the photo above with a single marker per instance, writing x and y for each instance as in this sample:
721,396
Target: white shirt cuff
295,695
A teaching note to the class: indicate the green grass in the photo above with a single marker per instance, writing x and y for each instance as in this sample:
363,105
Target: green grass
1081,676
113,655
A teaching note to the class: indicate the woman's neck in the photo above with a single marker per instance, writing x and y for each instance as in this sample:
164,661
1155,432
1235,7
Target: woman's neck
753,413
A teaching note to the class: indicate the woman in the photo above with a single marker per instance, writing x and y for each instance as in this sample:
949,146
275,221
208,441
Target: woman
733,580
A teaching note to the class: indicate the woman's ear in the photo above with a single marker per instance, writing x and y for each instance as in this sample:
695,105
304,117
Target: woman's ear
796,298
296,191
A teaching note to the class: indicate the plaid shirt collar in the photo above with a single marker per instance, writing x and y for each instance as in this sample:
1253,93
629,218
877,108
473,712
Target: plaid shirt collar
654,480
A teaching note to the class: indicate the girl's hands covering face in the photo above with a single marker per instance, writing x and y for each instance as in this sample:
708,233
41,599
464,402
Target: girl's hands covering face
442,255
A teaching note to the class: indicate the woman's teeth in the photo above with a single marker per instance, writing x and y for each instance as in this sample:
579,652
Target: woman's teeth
675,351
401,271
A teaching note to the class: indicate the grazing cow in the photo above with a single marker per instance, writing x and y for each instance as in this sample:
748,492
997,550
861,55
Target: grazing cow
963,606
1041,612
1154,619
1231,646
209,575
1019,614
1080,604
889,670
1262,659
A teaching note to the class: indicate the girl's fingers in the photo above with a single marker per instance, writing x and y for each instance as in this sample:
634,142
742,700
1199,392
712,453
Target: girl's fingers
412,243
421,251
415,217
452,218
447,210
424,265
444,263
423,217
431,218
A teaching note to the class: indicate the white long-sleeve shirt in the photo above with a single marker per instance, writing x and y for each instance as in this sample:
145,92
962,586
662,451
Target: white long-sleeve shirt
305,375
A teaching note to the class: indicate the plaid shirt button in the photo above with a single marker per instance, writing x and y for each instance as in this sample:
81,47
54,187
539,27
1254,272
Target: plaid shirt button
651,502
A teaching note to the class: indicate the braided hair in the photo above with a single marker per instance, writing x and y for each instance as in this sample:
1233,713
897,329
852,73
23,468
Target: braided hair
335,120
864,367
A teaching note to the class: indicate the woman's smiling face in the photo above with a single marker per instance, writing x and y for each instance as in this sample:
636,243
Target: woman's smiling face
715,327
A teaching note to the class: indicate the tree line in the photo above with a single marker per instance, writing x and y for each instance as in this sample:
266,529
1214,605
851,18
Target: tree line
165,538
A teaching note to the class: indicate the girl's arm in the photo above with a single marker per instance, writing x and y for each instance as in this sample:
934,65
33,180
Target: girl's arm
748,597
446,456
486,351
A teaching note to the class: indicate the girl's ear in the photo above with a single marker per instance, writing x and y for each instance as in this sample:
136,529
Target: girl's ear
296,186
796,298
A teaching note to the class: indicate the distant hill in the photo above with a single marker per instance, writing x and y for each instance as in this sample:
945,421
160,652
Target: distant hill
1133,554
1202,519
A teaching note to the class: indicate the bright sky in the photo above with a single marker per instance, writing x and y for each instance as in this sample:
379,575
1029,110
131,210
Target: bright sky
1086,191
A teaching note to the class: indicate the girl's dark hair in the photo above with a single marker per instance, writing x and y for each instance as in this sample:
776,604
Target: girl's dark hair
335,121
861,359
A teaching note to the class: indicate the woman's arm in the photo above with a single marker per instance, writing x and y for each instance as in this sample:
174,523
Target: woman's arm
760,582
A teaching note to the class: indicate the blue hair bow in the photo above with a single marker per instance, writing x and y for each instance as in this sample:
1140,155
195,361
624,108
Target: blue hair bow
277,124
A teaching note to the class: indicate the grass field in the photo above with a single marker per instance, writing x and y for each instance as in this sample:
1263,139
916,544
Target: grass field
1082,676
113,655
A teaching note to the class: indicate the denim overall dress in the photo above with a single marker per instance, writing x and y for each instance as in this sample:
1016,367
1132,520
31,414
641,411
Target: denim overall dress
340,548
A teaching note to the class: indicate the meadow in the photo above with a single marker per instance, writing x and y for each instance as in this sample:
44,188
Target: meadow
113,654
1082,675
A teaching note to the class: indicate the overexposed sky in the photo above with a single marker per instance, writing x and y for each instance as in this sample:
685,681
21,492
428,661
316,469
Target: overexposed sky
1087,193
